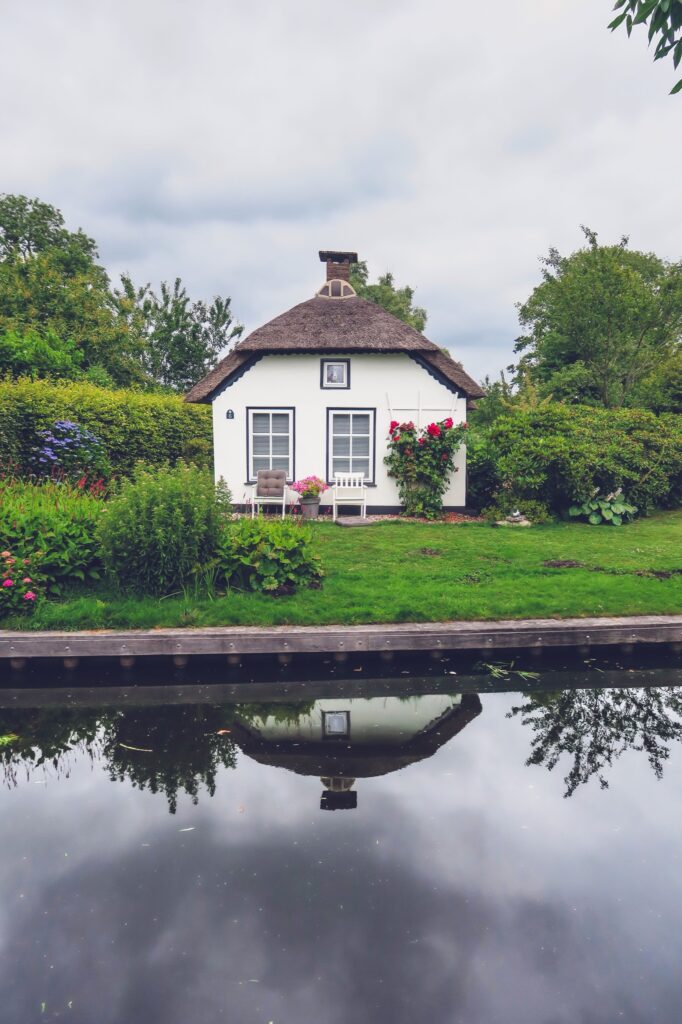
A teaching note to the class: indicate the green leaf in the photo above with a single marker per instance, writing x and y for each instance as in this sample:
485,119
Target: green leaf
616,520
607,513
595,519
644,11
676,88
575,510
618,21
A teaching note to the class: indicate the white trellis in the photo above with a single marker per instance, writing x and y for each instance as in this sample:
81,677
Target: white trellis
419,409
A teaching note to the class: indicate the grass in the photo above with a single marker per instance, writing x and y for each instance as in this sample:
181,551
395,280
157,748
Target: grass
408,572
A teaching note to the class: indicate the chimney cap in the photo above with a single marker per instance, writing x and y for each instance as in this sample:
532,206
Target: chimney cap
332,256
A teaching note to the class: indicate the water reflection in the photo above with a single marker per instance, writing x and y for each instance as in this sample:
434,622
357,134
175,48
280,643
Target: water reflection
174,749
461,889
343,740
593,728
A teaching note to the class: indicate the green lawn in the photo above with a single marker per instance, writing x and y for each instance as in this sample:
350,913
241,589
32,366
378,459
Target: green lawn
386,573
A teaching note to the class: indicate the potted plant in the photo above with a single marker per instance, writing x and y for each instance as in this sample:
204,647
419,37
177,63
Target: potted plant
309,488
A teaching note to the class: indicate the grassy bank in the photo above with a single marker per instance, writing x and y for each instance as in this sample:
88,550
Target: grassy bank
402,572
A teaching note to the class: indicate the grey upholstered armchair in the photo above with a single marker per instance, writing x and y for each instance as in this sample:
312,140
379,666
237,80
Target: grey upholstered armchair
270,489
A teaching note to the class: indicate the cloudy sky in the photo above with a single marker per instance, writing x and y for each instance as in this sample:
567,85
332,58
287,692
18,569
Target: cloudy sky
226,142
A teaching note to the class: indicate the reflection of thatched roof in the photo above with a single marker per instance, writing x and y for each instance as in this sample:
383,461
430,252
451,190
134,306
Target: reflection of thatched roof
344,325
342,759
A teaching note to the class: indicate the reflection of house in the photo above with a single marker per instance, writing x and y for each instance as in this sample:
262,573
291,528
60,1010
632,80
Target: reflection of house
341,739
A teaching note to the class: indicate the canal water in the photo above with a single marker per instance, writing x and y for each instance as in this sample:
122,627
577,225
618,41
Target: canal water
500,849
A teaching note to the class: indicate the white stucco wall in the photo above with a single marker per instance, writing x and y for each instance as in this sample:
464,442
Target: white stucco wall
373,720
392,383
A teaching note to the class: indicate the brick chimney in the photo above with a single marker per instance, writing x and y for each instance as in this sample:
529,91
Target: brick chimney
338,263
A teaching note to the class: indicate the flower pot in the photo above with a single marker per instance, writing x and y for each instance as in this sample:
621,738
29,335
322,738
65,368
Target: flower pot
310,507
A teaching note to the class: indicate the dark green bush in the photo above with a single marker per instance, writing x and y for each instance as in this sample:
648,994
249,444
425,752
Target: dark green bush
272,555
162,529
133,427
558,455
57,520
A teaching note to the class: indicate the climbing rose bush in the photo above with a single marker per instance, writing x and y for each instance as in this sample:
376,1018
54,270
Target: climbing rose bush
21,583
422,462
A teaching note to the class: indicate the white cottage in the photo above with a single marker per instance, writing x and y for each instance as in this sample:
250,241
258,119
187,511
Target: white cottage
313,391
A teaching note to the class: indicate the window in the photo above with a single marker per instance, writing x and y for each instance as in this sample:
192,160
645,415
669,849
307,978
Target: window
335,373
270,441
336,289
350,442
336,724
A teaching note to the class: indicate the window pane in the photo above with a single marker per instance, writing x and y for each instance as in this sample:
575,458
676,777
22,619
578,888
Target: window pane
341,446
335,373
280,422
261,444
340,466
361,466
281,464
259,463
360,446
341,423
261,422
336,288
280,444
361,423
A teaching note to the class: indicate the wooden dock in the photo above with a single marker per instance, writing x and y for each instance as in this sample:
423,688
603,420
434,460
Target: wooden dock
235,642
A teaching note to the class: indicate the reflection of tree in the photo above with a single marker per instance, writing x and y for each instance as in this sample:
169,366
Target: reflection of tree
167,749
42,737
171,749
594,727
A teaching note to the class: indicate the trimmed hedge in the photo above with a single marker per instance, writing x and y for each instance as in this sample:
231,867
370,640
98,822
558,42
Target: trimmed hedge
556,455
132,426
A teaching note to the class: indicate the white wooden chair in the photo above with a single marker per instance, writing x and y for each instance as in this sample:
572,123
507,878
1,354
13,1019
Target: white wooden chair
349,489
270,489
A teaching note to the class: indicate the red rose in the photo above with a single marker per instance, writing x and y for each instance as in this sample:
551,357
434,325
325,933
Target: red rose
396,437
433,429
448,422
394,424
421,440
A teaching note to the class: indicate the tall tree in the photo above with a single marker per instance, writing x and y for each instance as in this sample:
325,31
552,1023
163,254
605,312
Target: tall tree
57,305
663,19
601,323
183,339
398,301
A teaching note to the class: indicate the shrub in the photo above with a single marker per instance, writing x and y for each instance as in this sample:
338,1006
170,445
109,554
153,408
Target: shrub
133,427
533,510
272,555
162,528
59,520
422,462
21,583
559,455
71,452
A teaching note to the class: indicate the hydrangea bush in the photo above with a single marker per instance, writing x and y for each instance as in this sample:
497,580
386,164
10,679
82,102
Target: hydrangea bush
70,451
422,462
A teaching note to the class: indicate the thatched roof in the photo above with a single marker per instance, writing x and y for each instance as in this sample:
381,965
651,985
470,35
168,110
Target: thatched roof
335,325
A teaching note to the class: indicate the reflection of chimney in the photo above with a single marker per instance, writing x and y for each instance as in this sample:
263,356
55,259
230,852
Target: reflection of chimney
338,263
339,794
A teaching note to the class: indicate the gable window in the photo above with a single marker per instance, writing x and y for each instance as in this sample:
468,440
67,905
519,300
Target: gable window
350,442
270,441
335,373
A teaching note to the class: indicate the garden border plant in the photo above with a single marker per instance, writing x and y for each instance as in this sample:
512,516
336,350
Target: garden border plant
422,463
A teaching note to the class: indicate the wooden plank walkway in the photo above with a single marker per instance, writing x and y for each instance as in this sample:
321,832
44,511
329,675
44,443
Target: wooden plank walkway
234,641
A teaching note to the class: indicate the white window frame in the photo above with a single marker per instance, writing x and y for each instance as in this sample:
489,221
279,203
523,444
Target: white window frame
251,473
343,385
370,479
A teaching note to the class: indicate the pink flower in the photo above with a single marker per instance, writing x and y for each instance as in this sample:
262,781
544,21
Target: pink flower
5,554
29,596
8,583
448,422
27,579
